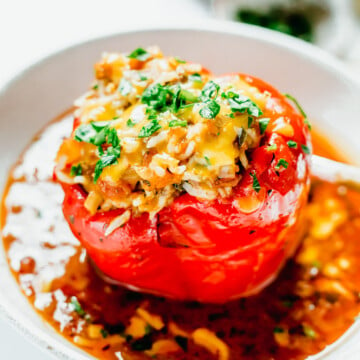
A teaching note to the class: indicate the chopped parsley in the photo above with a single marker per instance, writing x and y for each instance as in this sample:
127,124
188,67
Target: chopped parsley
77,307
301,110
104,333
182,98
278,330
263,124
187,96
241,103
305,149
143,78
95,87
210,110
161,98
100,133
149,129
112,137
283,163
207,161
93,133
155,96
178,122
210,90
85,133
256,185
76,170
180,61
195,78
125,87
108,158
130,123
292,144
272,147
139,54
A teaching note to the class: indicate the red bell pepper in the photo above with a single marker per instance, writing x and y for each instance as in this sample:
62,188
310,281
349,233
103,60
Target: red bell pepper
210,251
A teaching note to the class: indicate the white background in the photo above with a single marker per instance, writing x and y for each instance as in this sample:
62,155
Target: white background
31,29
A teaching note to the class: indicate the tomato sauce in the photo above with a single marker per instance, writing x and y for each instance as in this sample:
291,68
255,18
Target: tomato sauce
315,299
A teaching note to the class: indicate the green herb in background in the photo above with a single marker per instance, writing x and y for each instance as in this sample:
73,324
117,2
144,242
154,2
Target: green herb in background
288,21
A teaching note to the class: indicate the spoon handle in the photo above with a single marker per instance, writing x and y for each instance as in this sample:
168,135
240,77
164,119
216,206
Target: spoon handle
334,171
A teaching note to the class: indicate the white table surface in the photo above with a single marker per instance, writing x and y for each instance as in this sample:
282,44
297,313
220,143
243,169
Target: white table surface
29,30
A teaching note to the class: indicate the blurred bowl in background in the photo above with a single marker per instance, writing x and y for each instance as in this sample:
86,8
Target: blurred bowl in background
333,22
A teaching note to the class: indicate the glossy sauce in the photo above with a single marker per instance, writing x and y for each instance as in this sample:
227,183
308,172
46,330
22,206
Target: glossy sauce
312,303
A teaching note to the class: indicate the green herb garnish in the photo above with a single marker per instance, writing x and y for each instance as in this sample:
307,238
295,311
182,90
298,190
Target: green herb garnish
178,122
93,133
207,161
210,110
85,133
99,133
305,149
278,330
256,185
263,123
77,307
139,54
283,163
301,110
240,103
155,96
178,60
292,144
76,170
104,333
110,157
182,98
130,123
210,90
149,129
272,147
195,78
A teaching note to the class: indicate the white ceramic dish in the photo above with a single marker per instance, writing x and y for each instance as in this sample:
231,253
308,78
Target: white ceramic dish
43,91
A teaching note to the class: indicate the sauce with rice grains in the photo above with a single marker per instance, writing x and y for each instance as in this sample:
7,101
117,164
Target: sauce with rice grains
313,301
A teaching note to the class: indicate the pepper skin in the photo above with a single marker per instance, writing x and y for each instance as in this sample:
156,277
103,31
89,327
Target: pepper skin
210,251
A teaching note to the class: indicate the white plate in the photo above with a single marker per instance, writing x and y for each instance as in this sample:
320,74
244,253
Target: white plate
328,93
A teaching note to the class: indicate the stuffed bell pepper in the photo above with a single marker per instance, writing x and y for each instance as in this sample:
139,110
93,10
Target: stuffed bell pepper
181,183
